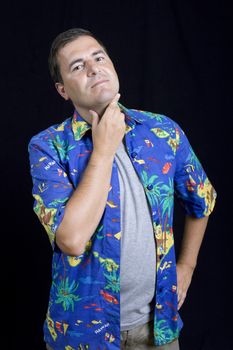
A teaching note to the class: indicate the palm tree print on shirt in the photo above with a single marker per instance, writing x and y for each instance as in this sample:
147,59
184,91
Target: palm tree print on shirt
65,294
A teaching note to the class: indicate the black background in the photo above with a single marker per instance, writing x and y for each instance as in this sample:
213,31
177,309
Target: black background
173,58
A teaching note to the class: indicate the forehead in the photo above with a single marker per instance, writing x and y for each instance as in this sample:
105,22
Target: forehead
81,47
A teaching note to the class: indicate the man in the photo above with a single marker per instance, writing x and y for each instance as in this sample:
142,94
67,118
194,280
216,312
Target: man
103,183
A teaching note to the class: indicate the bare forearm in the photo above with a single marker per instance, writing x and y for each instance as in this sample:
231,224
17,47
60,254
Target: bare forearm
86,206
194,231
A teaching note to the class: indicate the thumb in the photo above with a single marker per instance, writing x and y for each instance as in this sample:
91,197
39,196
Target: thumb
95,118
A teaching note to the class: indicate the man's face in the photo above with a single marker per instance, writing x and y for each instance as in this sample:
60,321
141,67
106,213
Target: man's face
89,78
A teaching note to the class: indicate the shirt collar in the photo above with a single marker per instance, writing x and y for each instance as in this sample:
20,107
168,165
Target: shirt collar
80,125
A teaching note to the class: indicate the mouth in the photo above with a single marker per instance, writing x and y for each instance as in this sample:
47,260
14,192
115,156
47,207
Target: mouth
99,82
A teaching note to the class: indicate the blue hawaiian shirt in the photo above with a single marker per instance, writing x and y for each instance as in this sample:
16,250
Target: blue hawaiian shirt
84,302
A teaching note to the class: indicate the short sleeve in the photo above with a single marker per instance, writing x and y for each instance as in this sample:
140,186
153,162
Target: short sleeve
192,186
51,186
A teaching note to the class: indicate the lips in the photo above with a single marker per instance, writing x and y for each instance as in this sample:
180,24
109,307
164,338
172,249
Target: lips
99,82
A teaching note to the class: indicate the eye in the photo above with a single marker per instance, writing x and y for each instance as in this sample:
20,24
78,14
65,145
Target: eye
100,58
78,67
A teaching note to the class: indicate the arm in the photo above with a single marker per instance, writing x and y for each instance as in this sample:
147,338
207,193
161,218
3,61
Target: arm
60,207
194,231
197,196
85,207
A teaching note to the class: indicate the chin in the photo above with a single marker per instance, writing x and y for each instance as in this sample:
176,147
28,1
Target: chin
106,97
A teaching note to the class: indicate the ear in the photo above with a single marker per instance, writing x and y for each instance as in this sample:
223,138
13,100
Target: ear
61,90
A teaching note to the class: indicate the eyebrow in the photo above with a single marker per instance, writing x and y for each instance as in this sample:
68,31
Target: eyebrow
81,59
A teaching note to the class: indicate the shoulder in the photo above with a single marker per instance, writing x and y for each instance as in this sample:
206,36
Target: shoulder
52,144
156,120
53,134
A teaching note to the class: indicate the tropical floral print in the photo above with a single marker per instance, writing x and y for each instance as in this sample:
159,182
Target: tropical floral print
84,302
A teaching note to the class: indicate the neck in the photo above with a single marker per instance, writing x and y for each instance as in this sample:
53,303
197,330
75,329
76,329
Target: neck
87,116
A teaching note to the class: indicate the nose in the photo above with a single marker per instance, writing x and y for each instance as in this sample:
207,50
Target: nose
93,68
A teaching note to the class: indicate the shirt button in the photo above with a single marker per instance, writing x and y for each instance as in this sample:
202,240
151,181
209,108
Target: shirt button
133,154
149,187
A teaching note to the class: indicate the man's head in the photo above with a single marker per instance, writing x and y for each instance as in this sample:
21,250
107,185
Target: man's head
82,70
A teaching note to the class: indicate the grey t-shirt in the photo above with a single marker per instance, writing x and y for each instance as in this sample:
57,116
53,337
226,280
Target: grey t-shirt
138,251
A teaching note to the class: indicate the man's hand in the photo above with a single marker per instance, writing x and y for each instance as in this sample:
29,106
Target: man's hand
108,132
184,277
194,230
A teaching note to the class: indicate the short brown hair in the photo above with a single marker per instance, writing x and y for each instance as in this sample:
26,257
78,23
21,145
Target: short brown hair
59,42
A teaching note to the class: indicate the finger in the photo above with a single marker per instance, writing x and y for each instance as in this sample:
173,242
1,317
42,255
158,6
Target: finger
181,299
122,115
113,104
95,118
116,98
178,296
111,108
181,302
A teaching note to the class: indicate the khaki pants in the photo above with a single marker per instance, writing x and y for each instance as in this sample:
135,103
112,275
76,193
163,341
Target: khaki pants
142,338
